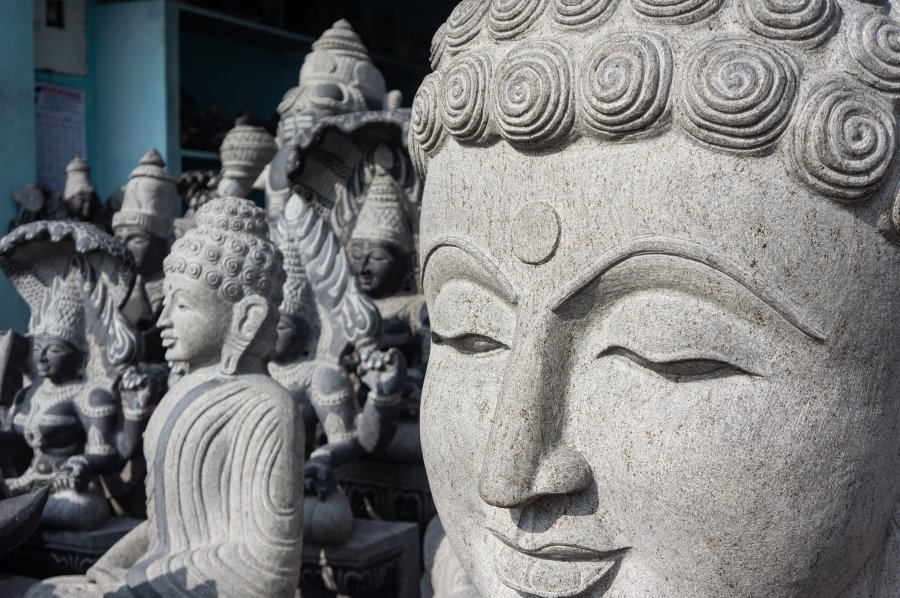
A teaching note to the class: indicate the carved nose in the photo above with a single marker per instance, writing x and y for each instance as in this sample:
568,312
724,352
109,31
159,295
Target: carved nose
525,458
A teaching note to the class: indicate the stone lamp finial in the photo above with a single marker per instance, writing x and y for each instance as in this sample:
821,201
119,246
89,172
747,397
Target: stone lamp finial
151,197
383,216
245,151
78,177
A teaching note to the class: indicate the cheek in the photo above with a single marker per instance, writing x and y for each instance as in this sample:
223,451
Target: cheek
457,407
727,475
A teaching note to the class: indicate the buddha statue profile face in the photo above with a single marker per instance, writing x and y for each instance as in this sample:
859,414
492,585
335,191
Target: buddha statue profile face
660,264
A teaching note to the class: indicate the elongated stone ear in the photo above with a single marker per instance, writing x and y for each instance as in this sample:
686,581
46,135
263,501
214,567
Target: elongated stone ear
247,320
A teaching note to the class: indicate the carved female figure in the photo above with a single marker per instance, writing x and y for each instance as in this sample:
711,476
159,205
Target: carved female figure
324,316
223,447
659,246
382,256
70,418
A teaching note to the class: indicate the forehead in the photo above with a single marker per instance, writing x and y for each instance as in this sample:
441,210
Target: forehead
605,196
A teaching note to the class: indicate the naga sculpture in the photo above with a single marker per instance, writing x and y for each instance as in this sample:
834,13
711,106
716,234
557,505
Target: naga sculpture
223,447
660,254
325,316
71,418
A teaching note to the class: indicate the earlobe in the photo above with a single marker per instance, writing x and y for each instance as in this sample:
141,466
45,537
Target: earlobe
248,317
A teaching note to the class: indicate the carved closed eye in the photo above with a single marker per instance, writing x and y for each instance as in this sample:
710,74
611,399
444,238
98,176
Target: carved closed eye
469,344
681,370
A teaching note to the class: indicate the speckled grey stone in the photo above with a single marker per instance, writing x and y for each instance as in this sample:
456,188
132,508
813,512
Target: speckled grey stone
697,393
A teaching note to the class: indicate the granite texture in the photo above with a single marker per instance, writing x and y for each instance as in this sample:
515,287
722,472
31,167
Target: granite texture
659,248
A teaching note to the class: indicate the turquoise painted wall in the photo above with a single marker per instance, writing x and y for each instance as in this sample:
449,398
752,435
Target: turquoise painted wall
17,151
135,73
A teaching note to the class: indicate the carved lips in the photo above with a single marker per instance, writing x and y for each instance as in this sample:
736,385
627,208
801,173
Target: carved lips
553,570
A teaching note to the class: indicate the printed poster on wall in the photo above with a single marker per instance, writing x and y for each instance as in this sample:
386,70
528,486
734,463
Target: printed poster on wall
60,124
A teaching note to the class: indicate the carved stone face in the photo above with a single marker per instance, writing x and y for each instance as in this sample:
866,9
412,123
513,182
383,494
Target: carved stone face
56,359
195,321
657,371
293,332
380,267
148,250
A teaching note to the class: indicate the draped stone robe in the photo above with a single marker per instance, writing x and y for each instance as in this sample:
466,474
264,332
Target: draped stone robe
225,496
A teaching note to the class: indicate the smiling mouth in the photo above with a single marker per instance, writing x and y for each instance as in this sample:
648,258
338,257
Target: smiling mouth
554,570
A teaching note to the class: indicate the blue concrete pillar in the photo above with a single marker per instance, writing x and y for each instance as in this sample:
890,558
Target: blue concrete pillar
17,149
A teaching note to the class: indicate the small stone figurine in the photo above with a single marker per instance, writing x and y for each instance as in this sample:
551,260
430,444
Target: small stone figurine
224,445
144,223
78,200
382,256
324,316
70,418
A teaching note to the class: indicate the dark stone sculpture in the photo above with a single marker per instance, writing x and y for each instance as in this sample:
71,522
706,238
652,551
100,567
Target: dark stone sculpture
71,419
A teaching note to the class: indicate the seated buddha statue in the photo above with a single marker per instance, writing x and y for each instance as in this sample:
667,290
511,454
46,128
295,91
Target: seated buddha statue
660,254
223,447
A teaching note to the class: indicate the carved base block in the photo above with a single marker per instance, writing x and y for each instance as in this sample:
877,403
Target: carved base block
381,560
55,552
388,491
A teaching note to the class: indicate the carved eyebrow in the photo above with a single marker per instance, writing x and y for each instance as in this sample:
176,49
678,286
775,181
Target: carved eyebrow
505,288
694,252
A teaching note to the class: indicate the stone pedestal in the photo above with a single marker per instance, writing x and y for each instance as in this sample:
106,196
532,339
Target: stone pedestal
381,560
55,552
388,490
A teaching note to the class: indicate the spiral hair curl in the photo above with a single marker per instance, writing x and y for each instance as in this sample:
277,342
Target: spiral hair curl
817,81
230,251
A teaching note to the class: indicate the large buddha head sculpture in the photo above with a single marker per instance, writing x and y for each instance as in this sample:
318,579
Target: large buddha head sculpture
659,248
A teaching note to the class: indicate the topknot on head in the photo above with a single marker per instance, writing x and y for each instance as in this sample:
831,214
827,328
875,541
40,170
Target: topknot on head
816,81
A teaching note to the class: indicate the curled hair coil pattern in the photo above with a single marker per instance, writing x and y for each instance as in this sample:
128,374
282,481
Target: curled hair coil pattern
806,22
533,95
738,94
874,42
844,141
465,106
682,12
625,83
465,22
581,13
509,18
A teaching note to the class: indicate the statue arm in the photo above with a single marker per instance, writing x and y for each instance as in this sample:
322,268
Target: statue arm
11,441
98,413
